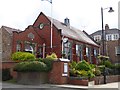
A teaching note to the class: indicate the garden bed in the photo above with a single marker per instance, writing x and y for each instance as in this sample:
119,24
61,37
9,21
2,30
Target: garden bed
78,81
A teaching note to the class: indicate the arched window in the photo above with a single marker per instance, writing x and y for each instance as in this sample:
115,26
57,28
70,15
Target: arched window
29,48
18,47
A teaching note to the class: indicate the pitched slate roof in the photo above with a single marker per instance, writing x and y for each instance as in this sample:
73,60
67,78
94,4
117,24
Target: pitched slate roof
72,32
10,30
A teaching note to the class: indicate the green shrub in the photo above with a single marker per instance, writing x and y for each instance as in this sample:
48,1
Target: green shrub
82,69
22,56
101,68
107,63
48,62
6,74
73,65
82,73
97,72
32,66
83,66
116,69
73,72
116,66
90,74
101,57
53,56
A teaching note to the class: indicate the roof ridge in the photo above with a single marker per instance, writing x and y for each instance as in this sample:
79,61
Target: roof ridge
10,30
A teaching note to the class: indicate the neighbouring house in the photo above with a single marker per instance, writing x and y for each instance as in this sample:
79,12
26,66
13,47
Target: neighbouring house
112,42
67,41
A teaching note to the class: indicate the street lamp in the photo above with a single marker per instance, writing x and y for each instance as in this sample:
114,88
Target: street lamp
51,31
103,34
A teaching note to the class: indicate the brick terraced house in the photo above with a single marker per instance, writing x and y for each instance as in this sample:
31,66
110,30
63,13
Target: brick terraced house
67,41
112,42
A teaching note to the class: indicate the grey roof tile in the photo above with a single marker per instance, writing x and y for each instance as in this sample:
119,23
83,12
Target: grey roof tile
72,32
10,30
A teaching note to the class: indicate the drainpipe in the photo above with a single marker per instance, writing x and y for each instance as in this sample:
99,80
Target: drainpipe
43,50
62,44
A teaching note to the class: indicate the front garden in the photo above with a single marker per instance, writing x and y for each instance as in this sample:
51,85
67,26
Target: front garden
31,70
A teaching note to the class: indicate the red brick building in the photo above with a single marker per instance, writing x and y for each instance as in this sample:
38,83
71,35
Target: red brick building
67,41
111,43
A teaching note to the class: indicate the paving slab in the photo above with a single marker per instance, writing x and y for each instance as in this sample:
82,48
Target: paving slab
11,86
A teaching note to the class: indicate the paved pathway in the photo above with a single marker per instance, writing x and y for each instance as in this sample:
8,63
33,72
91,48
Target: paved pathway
10,86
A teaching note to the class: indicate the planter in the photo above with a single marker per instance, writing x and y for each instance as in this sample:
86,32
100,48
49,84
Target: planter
32,78
78,81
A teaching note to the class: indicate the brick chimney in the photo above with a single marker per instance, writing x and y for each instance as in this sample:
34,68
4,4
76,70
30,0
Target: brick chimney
106,27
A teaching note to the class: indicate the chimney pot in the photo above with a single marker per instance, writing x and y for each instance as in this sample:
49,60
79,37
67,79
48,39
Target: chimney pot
67,21
106,27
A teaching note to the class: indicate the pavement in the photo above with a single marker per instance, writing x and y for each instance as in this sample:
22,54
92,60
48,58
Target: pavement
11,86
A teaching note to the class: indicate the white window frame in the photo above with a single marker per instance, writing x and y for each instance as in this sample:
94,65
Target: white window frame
115,36
97,38
109,37
117,50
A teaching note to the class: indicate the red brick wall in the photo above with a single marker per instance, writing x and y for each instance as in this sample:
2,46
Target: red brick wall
74,81
46,33
55,76
23,36
44,36
10,65
111,50
41,36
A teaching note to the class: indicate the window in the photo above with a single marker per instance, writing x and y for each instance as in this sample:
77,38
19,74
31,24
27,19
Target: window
117,50
87,51
97,38
18,47
115,36
31,36
95,52
109,37
67,50
79,51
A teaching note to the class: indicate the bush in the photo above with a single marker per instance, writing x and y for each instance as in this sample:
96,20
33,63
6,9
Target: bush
83,66
22,56
97,71
48,62
90,74
116,69
106,63
33,66
82,73
73,72
6,74
101,68
82,69
53,56
73,65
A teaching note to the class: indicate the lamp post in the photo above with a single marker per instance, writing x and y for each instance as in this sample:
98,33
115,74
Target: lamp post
51,26
103,34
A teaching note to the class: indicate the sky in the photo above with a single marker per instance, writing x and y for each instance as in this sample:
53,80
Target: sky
83,14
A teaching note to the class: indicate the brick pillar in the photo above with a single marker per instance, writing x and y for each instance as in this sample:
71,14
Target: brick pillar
60,72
